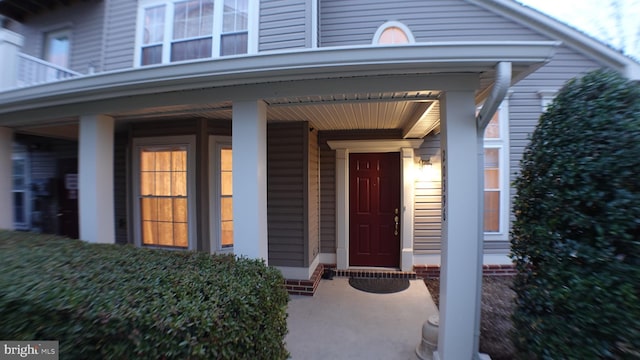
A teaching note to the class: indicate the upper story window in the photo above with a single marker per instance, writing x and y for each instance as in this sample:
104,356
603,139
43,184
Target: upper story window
393,32
178,30
57,47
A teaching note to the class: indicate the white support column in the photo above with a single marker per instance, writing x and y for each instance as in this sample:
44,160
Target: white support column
10,44
408,186
249,143
342,212
95,179
6,178
460,228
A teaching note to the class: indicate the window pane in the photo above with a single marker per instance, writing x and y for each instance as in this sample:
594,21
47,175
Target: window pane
149,209
179,160
163,183
235,15
227,234
151,55
149,233
180,235
491,157
393,35
180,210
165,233
491,211
191,49
153,25
226,208
493,128
233,44
491,179
165,209
226,183
226,159
193,18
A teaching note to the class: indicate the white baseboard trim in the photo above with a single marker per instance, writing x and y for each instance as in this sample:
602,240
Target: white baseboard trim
299,273
327,258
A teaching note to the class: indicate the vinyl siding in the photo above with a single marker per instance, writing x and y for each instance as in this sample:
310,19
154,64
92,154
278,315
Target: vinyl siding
313,198
284,24
120,30
286,192
354,22
427,231
84,19
120,151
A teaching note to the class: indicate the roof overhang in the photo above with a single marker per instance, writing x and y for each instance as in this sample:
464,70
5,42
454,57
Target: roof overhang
438,66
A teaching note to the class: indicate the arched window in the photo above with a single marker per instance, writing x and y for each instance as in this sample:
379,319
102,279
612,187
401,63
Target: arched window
393,32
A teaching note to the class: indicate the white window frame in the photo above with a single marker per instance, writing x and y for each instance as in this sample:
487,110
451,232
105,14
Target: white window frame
502,144
216,144
21,154
252,30
390,24
189,141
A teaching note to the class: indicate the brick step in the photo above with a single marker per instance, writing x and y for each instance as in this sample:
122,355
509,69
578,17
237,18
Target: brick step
373,273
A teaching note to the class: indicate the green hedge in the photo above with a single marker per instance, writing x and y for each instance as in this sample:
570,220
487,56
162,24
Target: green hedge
576,236
121,302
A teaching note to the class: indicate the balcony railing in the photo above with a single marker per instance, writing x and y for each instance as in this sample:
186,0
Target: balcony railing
32,71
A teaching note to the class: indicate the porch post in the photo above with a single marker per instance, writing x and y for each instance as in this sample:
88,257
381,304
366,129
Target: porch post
95,179
249,143
6,178
10,44
460,227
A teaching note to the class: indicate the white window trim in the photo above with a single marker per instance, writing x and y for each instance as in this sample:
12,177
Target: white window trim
190,142
216,143
252,30
503,144
22,155
389,24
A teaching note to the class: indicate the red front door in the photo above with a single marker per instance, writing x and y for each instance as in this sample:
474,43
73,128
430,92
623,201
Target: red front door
374,209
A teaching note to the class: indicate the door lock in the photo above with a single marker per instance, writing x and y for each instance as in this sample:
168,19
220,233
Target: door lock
397,220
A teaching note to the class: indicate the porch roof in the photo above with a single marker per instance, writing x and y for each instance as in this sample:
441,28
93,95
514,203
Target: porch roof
301,84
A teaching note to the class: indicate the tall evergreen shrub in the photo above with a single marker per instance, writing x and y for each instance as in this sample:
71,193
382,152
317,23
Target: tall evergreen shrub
576,236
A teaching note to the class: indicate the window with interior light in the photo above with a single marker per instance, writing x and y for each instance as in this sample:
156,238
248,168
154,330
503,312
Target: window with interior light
496,175
221,194
20,190
164,187
179,30
393,32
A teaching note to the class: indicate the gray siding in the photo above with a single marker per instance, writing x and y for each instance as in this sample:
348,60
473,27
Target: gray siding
427,230
313,198
284,24
120,30
85,19
286,192
352,22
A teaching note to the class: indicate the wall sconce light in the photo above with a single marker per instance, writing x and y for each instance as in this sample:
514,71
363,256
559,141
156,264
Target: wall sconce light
426,165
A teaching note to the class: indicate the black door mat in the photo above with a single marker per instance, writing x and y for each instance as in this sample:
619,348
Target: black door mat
379,285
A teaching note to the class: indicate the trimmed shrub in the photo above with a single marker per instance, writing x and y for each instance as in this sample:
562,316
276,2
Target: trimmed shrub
576,236
121,302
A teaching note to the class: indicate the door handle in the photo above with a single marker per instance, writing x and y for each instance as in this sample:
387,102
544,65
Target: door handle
396,219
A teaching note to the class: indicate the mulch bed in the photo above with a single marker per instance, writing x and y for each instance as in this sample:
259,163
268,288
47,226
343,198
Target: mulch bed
495,323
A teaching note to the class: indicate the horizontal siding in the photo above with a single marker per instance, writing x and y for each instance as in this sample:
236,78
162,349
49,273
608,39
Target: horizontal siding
120,32
85,19
427,231
284,24
286,209
314,196
354,22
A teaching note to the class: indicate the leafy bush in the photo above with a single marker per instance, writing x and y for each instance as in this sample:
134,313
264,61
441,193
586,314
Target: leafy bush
576,237
121,302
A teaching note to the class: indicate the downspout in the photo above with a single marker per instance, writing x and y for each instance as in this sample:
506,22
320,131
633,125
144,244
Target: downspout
498,93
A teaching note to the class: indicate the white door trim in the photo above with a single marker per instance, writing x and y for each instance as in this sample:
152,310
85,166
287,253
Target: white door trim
406,149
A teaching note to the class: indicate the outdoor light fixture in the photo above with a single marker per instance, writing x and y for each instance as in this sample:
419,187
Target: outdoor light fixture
426,165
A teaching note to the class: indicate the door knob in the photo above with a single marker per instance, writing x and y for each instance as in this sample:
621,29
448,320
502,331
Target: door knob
397,221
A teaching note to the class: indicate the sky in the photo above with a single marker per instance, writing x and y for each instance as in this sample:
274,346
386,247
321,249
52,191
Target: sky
598,19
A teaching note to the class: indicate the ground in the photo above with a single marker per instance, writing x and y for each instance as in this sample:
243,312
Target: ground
495,324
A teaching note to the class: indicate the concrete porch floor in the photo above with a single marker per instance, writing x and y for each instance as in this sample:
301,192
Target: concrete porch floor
340,322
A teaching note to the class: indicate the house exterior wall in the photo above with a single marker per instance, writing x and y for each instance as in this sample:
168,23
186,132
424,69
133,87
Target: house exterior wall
439,20
285,24
287,188
313,195
120,30
84,19
427,231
